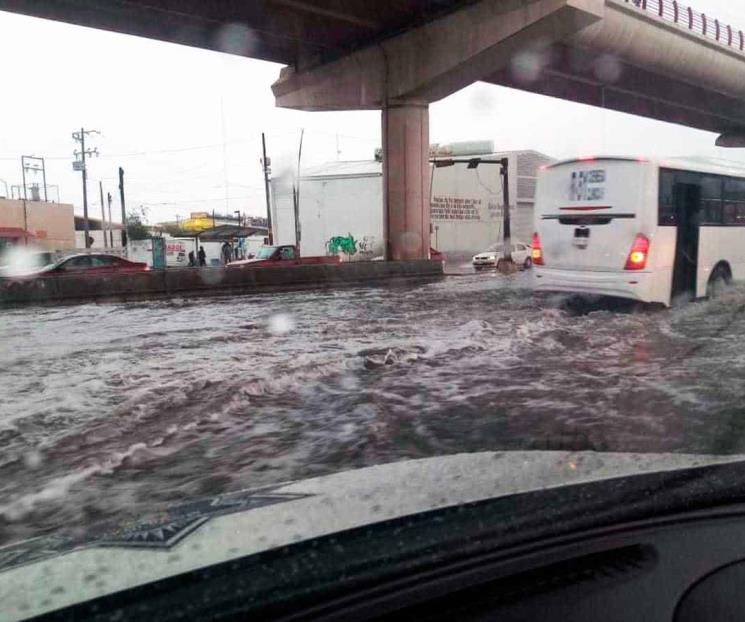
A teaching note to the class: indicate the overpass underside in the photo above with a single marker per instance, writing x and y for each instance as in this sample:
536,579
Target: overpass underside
399,57
580,75
605,53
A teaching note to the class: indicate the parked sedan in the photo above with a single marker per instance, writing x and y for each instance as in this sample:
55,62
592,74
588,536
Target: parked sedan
93,264
489,258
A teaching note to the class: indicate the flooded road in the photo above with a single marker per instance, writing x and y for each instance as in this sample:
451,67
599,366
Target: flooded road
121,409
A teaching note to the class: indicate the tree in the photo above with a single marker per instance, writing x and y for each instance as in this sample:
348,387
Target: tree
136,227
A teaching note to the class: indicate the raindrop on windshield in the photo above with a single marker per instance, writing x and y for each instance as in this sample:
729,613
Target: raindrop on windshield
236,39
32,459
281,324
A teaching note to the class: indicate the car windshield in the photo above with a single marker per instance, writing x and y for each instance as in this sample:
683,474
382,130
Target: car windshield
266,252
386,152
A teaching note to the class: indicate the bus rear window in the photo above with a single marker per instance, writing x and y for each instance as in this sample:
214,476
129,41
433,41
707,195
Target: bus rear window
585,220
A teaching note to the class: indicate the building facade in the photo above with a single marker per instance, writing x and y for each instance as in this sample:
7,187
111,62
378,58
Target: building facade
340,204
50,226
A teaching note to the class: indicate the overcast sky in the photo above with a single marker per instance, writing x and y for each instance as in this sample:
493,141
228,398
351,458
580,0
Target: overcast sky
186,123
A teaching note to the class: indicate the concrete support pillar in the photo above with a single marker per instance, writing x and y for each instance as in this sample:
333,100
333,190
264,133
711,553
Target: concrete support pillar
406,179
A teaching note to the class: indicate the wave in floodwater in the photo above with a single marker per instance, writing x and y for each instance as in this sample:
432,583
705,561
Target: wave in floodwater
117,410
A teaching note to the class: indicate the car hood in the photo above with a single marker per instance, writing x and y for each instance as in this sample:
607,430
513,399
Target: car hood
245,262
49,573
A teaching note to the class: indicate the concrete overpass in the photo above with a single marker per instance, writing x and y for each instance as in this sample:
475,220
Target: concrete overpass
653,58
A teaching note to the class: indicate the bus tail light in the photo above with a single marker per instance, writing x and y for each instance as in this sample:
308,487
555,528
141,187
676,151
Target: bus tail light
637,259
536,254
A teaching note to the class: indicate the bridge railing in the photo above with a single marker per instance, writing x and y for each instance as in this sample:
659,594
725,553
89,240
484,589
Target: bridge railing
700,23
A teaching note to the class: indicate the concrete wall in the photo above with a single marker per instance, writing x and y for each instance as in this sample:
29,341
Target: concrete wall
176,252
97,236
335,212
339,200
53,224
207,281
467,213
283,214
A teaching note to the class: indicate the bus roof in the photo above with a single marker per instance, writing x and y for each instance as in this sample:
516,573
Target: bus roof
698,164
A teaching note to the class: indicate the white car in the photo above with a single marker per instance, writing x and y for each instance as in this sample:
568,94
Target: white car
521,255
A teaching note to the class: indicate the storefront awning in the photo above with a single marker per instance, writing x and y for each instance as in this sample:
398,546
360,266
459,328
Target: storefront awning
16,233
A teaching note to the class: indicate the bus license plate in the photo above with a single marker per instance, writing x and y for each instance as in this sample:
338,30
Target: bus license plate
581,237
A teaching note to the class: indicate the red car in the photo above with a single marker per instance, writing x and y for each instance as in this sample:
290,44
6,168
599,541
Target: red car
93,264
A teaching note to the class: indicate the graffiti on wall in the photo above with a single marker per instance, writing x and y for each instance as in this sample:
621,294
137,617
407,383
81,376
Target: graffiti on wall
349,246
341,244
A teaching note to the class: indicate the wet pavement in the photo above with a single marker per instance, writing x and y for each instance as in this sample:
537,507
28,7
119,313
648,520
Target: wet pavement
117,410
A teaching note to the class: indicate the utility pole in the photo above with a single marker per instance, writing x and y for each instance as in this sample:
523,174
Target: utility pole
103,215
124,211
79,165
111,222
267,169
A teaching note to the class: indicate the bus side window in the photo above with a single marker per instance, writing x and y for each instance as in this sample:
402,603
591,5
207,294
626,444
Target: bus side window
712,212
711,200
729,214
734,196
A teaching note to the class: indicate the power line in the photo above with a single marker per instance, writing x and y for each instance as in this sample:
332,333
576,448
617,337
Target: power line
211,199
247,141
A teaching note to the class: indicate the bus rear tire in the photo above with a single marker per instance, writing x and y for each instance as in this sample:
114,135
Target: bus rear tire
719,279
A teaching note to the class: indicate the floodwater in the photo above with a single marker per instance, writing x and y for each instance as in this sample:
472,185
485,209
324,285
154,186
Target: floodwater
118,410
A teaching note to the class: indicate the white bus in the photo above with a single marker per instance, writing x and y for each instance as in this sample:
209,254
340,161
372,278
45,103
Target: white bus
647,230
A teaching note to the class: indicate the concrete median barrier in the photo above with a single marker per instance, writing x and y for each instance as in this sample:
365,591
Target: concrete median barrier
207,281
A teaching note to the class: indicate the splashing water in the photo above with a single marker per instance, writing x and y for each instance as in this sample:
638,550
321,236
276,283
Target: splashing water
117,410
